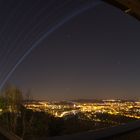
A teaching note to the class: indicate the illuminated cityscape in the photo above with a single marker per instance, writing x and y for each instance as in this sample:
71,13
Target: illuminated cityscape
69,69
114,107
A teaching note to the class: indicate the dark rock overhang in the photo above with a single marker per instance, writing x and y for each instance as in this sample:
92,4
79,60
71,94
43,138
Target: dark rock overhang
131,7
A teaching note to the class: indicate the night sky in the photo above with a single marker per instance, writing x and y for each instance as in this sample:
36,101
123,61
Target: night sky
95,54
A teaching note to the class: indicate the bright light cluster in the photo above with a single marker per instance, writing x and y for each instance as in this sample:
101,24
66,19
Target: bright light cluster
115,107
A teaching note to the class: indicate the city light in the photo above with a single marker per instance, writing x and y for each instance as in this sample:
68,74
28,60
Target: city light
114,107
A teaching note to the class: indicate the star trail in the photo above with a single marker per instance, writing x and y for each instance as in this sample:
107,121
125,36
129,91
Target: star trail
27,29
69,49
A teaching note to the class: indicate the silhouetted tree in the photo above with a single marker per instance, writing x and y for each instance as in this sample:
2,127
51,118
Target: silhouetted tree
12,97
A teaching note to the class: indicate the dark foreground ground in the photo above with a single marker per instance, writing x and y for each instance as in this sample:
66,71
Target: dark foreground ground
134,135
2,137
130,131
